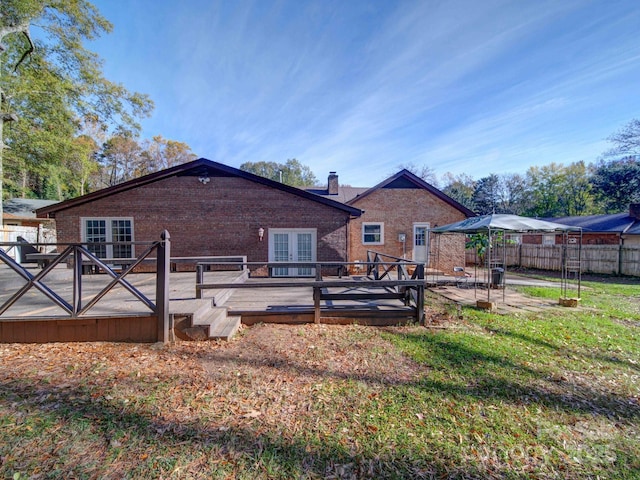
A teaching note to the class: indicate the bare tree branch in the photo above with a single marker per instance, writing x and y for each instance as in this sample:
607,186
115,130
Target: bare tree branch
28,52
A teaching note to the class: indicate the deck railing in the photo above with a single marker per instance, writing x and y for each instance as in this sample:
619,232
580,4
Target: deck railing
78,255
376,263
409,286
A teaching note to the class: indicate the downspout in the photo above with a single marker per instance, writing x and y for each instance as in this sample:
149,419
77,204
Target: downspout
347,230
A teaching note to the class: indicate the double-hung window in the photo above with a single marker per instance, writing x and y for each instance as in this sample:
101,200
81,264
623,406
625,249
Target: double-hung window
372,233
98,231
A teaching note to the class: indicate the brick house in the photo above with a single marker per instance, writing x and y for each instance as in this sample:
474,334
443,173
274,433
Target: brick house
609,229
21,212
209,209
397,217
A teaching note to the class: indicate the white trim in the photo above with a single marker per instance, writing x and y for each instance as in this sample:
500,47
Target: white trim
416,225
293,250
381,225
108,232
549,239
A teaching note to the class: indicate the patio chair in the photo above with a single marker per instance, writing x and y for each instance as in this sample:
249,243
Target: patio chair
461,276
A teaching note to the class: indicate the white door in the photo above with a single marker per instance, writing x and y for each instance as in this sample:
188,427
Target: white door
292,245
421,243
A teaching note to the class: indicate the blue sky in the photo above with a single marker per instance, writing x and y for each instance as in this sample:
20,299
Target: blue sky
361,87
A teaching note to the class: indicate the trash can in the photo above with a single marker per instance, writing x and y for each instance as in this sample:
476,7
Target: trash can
497,275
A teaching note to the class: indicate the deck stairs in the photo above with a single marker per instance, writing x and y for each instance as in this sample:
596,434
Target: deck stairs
199,319
220,296
205,319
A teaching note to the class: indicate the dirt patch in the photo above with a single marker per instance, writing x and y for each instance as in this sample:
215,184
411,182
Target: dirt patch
311,353
270,373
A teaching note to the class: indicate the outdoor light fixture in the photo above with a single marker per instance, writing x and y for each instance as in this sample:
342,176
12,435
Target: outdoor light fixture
204,180
260,233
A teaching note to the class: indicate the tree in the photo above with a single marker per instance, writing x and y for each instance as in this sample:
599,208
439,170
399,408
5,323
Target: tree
513,192
546,192
486,195
616,183
425,172
290,173
59,82
81,164
616,177
460,188
120,158
577,189
626,141
161,153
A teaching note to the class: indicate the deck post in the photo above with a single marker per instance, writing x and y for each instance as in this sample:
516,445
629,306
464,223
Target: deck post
162,286
77,281
420,304
316,304
199,279
420,270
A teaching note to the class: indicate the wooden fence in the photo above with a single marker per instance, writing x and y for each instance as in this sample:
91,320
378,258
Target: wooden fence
607,259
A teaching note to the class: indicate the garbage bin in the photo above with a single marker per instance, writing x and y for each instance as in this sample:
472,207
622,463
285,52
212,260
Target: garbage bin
497,275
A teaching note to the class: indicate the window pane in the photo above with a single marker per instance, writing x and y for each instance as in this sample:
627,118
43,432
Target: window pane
372,233
96,231
121,232
281,247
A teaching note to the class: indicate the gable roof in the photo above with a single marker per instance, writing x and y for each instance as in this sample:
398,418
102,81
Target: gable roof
611,223
405,179
25,207
344,193
202,168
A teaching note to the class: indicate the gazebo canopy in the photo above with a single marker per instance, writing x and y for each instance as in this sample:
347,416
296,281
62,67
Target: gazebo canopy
500,221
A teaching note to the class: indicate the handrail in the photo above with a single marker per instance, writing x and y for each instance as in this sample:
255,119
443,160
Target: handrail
409,288
77,253
400,264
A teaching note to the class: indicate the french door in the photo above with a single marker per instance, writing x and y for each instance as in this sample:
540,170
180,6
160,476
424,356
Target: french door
292,245
421,242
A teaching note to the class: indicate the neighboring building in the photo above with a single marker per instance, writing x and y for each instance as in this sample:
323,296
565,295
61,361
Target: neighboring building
398,214
210,209
610,229
22,211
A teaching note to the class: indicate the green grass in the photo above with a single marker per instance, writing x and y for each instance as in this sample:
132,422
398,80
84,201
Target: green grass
550,395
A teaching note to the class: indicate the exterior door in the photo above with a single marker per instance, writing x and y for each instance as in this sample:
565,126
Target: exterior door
292,245
421,242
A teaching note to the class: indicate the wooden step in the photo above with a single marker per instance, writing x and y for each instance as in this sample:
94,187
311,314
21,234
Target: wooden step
224,329
211,316
190,308
220,296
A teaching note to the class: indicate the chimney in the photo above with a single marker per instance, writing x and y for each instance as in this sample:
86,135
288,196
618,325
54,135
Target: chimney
332,186
634,210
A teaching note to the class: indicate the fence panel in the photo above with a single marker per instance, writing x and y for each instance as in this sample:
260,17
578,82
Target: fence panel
607,259
601,259
630,261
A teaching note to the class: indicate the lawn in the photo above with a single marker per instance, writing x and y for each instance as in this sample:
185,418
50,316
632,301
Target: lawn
552,395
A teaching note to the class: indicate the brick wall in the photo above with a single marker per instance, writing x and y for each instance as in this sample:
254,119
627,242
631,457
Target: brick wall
587,239
221,217
399,209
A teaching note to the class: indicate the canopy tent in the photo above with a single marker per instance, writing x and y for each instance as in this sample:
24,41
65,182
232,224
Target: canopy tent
500,223
504,222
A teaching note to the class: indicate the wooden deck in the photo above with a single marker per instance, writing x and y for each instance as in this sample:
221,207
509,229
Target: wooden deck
252,305
295,305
